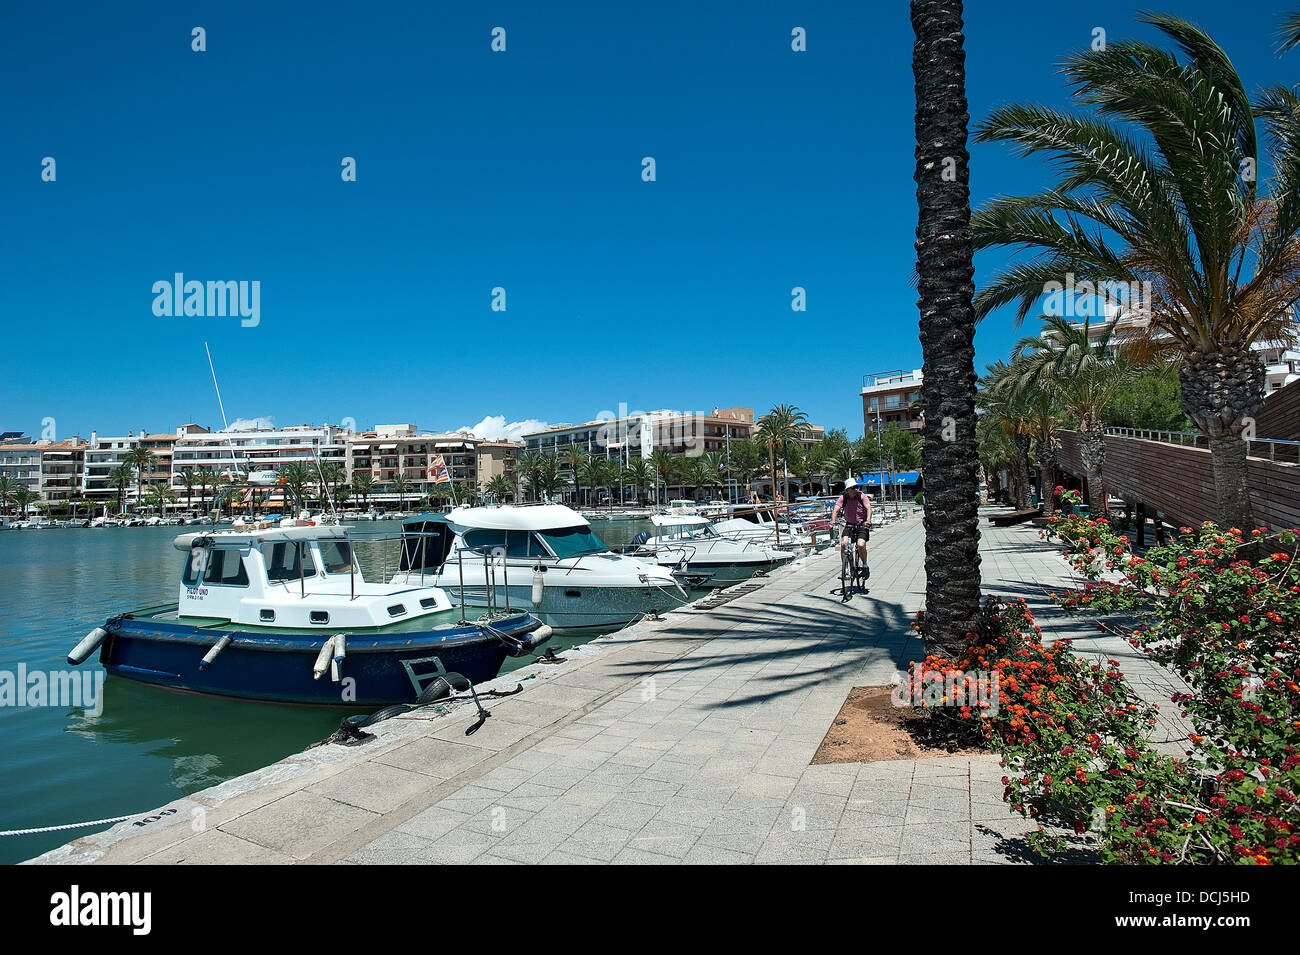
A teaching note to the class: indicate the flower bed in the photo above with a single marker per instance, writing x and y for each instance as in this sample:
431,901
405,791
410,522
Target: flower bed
1076,741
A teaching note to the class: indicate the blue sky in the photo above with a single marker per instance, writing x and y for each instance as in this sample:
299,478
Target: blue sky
477,170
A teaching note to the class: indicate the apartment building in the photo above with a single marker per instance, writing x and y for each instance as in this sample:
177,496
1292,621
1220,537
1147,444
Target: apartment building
50,470
892,398
641,434
390,450
254,449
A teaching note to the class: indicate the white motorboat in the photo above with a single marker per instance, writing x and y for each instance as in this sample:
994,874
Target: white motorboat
543,559
756,523
699,555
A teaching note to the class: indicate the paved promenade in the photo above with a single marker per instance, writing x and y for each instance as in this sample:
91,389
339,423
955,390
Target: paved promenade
682,740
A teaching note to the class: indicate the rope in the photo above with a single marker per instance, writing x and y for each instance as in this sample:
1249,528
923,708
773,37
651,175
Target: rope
71,825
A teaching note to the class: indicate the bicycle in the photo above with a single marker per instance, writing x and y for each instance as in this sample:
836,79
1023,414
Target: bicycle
853,571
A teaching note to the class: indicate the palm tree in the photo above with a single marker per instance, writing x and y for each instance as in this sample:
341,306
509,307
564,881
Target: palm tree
592,471
207,478
642,475
777,429
500,488
23,496
1086,373
143,460
121,477
364,485
1004,406
664,466
575,457
401,484
715,467
159,496
296,477
188,479
332,476
1159,193
847,462
8,487
530,469
944,275
1039,416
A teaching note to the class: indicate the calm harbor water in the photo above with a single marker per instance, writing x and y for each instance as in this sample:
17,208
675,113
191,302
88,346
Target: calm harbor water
149,745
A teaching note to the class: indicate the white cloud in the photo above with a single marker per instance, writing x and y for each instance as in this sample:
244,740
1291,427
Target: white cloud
495,428
252,424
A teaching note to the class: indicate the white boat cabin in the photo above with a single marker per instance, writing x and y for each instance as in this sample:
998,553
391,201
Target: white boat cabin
300,577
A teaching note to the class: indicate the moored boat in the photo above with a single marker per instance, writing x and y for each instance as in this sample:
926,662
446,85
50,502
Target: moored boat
542,558
284,613
697,554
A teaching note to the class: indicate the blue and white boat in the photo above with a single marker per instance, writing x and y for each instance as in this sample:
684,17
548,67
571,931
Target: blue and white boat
283,613
697,554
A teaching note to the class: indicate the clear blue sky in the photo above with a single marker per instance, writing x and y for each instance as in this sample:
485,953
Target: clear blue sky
475,170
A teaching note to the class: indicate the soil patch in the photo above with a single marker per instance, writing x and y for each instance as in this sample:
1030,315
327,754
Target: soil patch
870,728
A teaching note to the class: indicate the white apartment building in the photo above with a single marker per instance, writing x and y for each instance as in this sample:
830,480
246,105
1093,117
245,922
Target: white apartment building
256,449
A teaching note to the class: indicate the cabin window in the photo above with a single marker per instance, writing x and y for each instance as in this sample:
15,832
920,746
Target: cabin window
396,610
288,560
195,562
479,539
320,616
266,615
428,603
337,556
514,543
573,541
226,568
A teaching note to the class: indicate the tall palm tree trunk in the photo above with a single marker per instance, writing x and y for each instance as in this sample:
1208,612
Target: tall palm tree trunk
1092,451
945,273
1221,390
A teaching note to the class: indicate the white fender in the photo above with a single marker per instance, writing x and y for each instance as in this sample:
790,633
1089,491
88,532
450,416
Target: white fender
216,649
87,646
323,659
340,653
539,586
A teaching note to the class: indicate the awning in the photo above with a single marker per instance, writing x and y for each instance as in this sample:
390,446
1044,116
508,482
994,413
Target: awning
388,447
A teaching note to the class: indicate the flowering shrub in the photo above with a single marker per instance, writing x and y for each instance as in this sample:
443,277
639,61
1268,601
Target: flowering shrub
1077,743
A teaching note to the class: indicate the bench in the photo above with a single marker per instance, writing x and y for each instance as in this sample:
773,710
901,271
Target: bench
1013,517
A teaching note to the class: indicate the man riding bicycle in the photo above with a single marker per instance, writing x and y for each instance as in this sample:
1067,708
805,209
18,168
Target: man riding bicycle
857,519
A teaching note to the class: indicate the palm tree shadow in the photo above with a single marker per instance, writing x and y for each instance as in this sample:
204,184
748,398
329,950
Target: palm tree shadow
882,633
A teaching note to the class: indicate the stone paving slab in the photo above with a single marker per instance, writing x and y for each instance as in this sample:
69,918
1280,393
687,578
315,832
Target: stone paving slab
686,740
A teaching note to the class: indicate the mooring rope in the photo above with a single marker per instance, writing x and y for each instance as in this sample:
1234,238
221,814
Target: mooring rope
70,825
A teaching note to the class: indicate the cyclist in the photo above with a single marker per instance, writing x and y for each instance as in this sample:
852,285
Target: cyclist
857,519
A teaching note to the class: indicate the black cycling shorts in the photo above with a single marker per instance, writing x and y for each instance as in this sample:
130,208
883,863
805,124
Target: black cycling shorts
855,532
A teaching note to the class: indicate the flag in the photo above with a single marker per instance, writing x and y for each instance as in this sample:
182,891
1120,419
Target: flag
437,471
248,495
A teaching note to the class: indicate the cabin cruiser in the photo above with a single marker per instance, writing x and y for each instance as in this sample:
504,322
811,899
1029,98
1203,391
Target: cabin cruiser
696,553
541,558
752,522
265,611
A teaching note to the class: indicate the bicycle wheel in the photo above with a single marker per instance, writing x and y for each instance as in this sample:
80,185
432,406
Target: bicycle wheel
846,573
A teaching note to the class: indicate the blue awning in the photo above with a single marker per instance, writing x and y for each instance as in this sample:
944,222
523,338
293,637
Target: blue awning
903,478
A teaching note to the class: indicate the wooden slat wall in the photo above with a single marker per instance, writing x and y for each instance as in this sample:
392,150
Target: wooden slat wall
1179,481
1280,417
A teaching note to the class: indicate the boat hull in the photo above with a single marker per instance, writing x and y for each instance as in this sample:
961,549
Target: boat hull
377,669
574,608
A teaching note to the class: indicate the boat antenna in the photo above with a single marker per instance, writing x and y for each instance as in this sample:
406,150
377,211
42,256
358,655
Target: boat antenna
323,483
225,426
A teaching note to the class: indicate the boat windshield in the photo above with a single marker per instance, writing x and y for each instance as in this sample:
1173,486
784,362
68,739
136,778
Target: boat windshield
337,556
572,541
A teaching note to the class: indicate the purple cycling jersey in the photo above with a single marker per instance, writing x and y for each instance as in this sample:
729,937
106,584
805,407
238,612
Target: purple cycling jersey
855,508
